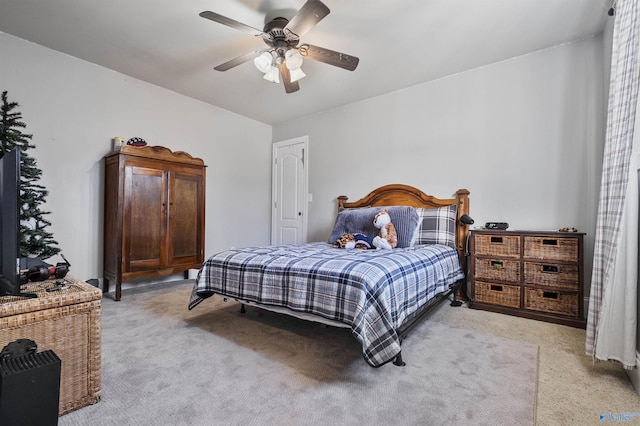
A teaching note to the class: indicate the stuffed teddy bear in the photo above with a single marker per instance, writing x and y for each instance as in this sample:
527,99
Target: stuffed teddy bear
387,238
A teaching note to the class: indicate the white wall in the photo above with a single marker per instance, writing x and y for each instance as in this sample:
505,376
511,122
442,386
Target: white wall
524,136
73,108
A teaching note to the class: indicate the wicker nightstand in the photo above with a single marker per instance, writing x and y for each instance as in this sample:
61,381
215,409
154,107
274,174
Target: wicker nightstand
67,322
536,275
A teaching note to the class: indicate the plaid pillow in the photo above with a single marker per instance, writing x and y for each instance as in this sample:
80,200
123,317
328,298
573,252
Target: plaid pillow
437,226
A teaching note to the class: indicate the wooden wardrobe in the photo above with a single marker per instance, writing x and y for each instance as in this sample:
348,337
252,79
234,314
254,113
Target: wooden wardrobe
154,214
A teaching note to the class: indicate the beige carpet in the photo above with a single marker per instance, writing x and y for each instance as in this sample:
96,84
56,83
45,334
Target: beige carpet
163,364
572,390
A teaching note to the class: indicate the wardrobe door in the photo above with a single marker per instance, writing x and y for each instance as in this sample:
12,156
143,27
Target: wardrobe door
144,229
186,217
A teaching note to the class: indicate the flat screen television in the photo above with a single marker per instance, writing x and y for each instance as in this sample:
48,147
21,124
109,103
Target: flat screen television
10,224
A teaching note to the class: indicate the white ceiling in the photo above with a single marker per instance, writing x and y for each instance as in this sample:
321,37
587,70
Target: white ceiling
400,43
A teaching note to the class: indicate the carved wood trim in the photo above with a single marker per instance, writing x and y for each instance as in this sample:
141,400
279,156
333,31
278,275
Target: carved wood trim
160,153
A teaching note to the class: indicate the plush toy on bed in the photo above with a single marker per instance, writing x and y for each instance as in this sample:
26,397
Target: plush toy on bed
346,241
387,238
358,241
363,241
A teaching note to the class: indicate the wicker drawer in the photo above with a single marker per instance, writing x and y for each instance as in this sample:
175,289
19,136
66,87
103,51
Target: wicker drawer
553,248
497,269
553,302
497,245
497,294
565,276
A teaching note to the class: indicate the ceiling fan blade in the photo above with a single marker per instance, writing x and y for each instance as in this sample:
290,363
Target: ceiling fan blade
289,86
328,56
230,23
307,17
237,61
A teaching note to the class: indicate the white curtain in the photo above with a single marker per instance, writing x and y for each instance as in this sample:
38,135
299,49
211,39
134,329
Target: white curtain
612,316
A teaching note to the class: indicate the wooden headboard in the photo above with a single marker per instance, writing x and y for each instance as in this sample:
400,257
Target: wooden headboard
405,195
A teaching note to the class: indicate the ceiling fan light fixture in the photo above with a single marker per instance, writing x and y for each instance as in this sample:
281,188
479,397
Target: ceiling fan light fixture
272,75
296,74
264,62
293,59
284,54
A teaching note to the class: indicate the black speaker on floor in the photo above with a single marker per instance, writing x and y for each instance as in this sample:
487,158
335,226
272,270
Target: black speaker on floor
29,385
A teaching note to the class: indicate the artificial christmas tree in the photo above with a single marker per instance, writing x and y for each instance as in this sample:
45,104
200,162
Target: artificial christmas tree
36,240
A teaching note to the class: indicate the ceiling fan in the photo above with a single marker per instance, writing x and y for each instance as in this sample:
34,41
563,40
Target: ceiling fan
284,54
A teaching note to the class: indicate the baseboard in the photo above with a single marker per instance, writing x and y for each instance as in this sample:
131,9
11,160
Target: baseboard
634,375
145,281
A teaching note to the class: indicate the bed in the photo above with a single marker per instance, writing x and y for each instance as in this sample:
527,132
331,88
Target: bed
379,294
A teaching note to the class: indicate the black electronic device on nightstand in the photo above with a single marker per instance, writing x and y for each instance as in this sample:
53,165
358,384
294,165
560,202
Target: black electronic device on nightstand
496,225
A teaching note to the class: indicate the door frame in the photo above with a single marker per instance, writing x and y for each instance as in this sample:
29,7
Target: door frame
305,185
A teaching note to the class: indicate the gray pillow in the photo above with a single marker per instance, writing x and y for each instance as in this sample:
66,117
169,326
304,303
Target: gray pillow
349,221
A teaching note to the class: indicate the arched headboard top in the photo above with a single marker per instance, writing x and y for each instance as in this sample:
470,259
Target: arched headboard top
401,195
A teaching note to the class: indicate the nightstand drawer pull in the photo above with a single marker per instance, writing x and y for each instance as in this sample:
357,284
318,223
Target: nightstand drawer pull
549,242
549,295
497,263
550,268
496,287
497,240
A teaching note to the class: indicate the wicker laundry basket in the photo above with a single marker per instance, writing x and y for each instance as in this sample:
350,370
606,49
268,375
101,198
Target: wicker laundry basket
67,322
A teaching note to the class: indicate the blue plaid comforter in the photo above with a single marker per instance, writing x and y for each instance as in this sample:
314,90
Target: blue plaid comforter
372,291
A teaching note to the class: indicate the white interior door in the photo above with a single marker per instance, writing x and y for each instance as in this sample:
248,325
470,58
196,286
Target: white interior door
289,193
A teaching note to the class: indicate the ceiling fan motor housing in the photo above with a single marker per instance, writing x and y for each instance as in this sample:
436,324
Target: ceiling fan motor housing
278,38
